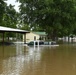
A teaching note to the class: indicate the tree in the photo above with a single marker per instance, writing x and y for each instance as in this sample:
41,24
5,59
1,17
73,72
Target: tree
9,19
56,17
2,10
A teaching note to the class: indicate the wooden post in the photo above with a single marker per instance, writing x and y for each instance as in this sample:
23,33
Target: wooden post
3,38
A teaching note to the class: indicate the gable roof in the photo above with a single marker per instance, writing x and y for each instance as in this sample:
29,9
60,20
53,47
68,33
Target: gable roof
40,33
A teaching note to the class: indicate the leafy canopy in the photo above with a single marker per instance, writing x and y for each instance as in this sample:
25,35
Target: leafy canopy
57,17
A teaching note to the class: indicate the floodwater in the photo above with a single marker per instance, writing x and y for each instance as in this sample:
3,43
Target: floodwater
21,60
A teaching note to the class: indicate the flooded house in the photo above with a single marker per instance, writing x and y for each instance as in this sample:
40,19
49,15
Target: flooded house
35,36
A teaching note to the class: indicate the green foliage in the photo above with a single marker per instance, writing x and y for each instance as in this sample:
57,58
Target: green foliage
10,19
8,16
2,10
56,17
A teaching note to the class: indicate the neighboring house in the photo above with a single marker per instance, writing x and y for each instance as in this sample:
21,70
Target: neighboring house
71,39
35,36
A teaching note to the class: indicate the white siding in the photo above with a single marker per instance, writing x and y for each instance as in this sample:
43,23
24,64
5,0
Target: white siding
30,37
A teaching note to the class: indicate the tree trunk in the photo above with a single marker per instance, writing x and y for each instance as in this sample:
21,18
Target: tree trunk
8,38
68,39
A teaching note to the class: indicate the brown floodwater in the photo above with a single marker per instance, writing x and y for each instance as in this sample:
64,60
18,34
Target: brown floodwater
21,60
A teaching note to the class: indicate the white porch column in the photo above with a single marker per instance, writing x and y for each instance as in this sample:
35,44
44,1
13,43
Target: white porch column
24,37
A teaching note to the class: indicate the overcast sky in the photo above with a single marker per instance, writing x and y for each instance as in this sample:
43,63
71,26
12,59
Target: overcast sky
13,2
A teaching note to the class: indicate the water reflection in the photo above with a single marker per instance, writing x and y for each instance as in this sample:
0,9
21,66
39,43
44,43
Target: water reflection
14,65
21,60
